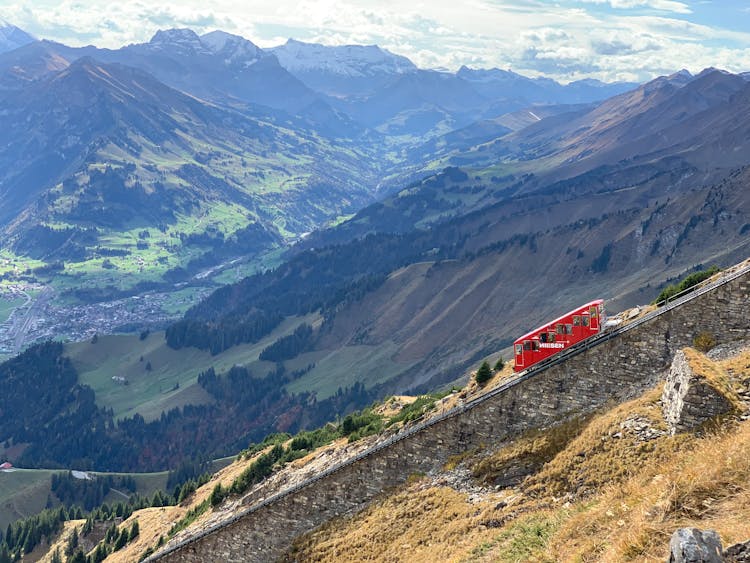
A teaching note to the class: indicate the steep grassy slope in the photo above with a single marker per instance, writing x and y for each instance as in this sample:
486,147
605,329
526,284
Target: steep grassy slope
155,377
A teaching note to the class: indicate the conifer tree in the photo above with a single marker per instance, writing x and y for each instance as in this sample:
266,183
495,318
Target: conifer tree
121,540
484,373
134,531
72,543
100,554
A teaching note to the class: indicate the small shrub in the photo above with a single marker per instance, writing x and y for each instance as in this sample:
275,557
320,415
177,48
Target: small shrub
704,342
217,495
499,365
417,409
690,281
484,373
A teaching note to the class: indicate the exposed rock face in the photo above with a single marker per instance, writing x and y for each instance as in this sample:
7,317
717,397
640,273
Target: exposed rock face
688,399
738,553
691,545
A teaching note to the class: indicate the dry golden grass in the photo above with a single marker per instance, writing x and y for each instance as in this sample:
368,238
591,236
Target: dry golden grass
62,540
393,405
416,525
152,523
605,452
705,485
714,373
534,448
603,494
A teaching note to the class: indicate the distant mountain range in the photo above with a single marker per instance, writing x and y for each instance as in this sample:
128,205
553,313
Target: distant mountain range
370,85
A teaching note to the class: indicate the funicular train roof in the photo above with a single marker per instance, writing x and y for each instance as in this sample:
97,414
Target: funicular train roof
529,335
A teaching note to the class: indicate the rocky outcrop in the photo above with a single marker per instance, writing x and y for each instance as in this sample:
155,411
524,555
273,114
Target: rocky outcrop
691,545
738,553
690,398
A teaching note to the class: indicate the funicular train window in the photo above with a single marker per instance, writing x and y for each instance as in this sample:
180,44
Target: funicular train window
577,320
535,345
519,349
568,329
551,337
560,329
543,337
593,312
526,345
585,321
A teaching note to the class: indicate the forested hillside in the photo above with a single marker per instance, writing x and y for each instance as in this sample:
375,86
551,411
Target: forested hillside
57,422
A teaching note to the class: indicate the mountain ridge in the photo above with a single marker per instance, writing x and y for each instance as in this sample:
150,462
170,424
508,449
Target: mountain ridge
12,37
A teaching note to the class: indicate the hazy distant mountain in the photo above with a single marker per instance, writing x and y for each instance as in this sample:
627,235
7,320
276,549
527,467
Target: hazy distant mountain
12,37
220,67
342,89
508,88
659,116
34,61
341,70
421,103
388,92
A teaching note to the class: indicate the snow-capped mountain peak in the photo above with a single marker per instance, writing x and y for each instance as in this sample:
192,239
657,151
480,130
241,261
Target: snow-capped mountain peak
232,48
182,38
345,60
12,37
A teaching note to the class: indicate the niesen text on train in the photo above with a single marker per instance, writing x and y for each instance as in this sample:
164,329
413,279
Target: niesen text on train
565,331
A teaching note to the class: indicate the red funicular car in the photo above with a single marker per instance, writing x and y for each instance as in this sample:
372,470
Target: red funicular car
548,340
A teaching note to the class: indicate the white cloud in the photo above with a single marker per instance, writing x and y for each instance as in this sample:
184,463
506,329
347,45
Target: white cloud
663,5
567,40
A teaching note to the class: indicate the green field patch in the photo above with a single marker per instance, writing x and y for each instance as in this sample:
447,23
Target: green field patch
179,301
344,367
130,375
23,492
8,305
12,264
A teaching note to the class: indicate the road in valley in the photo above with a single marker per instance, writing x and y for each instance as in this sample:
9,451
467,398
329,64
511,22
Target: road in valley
22,324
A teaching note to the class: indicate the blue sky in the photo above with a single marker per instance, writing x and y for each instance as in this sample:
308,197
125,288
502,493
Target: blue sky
564,39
